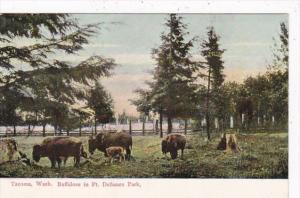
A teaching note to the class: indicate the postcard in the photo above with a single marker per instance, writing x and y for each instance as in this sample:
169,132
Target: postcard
186,103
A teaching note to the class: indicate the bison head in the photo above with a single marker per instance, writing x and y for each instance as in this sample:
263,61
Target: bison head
168,146
92,145
173,153
36,153
164,146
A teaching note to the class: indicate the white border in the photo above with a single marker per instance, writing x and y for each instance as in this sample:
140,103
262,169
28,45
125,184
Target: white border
155,6
146,6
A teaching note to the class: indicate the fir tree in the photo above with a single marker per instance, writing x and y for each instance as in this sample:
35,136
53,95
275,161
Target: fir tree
215,77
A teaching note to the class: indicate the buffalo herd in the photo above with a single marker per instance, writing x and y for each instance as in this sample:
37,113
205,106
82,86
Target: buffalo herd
114,145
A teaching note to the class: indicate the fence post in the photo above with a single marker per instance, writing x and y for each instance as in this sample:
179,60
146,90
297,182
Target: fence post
143,129
15,131
44,130
160,124
80,130
95,125
28,133
216,124
130,130
185,126
231,122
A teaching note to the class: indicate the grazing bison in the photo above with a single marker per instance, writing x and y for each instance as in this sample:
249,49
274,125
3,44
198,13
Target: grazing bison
173,142
58,148
8,147
104,140
115,151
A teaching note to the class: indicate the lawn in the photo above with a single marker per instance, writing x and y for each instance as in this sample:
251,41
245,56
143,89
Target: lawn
264,155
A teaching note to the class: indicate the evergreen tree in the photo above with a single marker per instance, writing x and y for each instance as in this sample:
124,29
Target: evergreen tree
51,84
215,77
281,51
173,91
100,101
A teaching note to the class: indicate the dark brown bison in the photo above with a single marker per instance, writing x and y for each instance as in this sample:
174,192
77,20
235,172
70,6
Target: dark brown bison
104,140
58,148
173,142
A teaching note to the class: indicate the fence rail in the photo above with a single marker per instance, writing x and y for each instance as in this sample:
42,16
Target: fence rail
134,132
88,133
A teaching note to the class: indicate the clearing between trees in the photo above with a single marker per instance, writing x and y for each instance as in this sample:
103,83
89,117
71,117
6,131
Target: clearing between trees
263,155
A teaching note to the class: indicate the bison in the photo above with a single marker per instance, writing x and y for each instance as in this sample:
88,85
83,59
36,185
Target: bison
115,151
173,142
58,148
104,140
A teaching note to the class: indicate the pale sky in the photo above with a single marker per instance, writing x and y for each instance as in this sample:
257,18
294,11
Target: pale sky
129,38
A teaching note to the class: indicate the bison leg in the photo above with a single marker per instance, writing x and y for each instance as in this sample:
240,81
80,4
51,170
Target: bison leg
65,161
105,154
128,153
182,153
53,162
58,162
121,157
77,160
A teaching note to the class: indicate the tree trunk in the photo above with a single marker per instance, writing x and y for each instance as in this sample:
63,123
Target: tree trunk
80,127
28,130
60,131
95,125
15,131
185,126
169,125
130,129
156,126
208,125
207,105
143,129
160,124
68,132
55,128
44,130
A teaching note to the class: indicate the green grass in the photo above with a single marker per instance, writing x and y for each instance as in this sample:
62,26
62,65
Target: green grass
263,155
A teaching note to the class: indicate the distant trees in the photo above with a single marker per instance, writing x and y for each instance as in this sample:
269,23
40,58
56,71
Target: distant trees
183,88
45,86
278,77
263,99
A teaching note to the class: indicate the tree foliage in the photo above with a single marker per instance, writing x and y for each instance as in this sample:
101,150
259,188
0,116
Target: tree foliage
46,85
173,92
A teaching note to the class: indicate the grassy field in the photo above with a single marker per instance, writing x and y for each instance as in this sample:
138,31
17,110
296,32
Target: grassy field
264,155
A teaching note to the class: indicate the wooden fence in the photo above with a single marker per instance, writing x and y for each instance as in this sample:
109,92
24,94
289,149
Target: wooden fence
88,133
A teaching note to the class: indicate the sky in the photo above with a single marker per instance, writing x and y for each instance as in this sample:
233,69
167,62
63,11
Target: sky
129,39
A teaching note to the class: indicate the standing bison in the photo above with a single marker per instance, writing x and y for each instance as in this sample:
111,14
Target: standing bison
59,148
104,140
173,142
